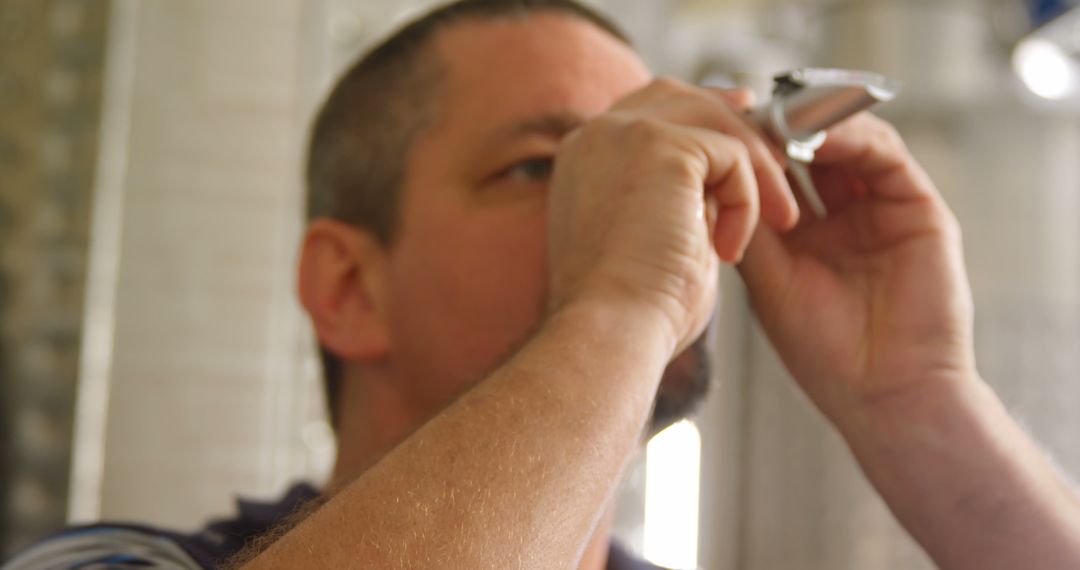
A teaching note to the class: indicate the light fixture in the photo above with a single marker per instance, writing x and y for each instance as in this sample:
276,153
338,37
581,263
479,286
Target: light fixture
1048,59
672,485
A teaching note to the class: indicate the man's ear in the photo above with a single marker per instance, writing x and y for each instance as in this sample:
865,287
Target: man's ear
342,281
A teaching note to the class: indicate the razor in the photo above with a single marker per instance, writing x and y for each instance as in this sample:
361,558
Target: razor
805,103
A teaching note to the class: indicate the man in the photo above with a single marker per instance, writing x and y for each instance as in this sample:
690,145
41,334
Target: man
516,229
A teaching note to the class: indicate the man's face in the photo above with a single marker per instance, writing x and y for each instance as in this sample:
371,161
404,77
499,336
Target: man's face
468,270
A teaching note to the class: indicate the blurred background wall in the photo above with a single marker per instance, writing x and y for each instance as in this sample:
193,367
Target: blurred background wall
150,208
51,60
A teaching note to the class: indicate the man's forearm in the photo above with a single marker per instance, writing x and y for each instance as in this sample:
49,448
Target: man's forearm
514,473
967,483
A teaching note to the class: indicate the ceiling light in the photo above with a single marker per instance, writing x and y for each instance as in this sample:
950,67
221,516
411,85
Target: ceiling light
1046,69
1048,58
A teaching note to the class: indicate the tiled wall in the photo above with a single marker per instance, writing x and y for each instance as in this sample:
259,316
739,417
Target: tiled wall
51,55
211,392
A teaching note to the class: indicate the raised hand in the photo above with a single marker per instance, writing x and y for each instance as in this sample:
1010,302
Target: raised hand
873,301
645,196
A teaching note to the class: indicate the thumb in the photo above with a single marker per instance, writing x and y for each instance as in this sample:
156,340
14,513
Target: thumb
766,268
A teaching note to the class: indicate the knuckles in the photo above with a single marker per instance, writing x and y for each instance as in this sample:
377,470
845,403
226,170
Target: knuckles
951,226
643,132
647,142
625,132
883,134
666,84
889,138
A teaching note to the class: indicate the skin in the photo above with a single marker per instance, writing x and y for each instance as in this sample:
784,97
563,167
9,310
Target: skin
466,282
504,354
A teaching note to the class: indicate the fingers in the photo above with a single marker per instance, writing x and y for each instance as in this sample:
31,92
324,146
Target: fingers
720,166
872,150
713,109
743,101
740,99
837,186
712,172
766,267
731,191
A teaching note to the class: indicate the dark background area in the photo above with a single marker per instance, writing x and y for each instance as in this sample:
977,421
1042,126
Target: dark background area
51,58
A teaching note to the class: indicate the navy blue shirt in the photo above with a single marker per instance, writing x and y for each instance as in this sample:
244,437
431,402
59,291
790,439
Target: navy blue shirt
122,546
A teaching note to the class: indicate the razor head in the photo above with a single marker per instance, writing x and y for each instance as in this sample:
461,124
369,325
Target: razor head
805,103
808,101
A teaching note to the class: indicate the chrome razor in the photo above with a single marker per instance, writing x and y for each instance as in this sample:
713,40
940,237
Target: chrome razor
805,103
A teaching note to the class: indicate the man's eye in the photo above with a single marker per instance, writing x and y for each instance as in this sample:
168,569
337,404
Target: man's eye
531,170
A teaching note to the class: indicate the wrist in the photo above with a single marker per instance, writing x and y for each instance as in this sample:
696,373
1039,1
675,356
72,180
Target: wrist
930,409
635,326
964,480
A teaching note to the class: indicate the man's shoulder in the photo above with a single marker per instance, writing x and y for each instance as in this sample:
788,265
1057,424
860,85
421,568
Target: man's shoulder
112,545
115,545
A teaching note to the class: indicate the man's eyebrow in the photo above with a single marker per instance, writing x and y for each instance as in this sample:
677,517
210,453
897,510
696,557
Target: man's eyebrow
555,125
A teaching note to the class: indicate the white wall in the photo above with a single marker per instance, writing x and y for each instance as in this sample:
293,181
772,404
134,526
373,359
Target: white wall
209,384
